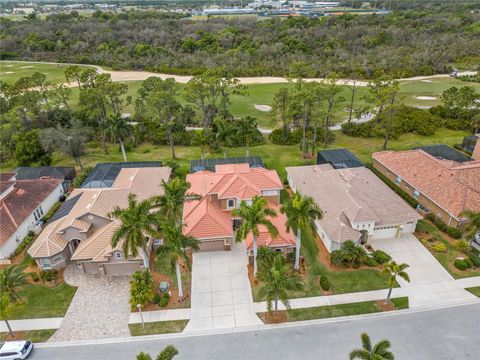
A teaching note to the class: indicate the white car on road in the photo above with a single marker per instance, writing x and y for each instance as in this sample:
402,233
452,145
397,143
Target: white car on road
15,350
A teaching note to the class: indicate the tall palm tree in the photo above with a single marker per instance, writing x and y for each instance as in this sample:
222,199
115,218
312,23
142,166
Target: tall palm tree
224,134
119,129
246,129
170,204
136,221
473,226
393,270
379,352
276,282
11,279
174,249
301,213
253,216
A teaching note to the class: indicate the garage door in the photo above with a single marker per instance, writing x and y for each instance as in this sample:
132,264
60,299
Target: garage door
90,268
384,233
121,268
214,245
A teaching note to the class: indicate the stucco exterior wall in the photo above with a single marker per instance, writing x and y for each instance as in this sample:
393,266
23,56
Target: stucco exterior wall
55,261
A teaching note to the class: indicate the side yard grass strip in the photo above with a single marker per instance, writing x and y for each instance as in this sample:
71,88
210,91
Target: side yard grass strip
325,312
35,336
160,327
43,302
474,290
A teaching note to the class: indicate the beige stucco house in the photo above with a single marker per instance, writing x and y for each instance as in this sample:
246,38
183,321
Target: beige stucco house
82,231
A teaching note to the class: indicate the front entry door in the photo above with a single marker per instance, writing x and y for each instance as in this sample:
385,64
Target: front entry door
73,245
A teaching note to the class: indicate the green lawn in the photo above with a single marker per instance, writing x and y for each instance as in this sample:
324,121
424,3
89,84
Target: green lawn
447,258
161,327
474,290
323,312
11,71
36,336
43,302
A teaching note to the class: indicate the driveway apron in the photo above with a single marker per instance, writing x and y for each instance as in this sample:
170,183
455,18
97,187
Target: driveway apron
221,292
430,284
99,308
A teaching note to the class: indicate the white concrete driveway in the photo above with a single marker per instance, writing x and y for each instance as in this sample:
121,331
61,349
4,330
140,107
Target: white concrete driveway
430,284
221,293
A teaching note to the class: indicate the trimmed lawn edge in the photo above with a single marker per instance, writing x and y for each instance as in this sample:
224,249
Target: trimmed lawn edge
350,309
35,336
474,290
159,327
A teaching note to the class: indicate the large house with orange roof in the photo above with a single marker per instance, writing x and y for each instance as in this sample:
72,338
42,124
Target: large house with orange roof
442,180
210,219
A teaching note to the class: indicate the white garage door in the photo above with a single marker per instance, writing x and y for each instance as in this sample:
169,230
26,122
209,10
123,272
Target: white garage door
121,268
384,233
213,245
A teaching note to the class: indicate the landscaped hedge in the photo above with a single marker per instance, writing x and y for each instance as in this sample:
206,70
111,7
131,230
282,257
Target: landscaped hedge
405,196
295,136
80,178
52,211
453,232
25,243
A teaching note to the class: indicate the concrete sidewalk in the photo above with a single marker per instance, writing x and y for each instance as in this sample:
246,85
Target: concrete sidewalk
327,300
468,282
160,315
32,324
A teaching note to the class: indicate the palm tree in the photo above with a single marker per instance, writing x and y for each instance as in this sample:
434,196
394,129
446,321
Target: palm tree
174,166
170,204
135,222
4,310
253,216
12,278
353,253
473,225
246,130
379,352
224,134
175,248
302,213
393,270
276,282
119,129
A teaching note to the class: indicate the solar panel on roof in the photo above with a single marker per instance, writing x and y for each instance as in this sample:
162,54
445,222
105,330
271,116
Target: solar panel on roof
103,175
65,208
209,164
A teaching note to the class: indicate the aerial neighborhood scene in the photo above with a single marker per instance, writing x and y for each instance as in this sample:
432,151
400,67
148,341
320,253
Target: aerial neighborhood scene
207,179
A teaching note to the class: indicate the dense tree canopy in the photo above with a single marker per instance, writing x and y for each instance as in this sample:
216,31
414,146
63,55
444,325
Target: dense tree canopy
403,43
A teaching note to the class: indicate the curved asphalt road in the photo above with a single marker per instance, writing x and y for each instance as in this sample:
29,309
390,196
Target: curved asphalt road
441,334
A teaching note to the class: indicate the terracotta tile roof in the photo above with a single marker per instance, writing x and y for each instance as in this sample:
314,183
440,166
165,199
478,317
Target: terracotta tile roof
144,182
283,239
206,219
453,186
19,201
350,195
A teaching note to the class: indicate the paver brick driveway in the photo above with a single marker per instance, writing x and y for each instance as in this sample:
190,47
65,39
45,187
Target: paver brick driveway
430,284
99,308
221,292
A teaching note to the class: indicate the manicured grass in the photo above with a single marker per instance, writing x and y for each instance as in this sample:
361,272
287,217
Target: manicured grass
474,290
11,71
447,258
161,327
43,302
323,312
35,336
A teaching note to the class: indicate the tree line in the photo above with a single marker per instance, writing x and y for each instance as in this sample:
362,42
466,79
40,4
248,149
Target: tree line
401,44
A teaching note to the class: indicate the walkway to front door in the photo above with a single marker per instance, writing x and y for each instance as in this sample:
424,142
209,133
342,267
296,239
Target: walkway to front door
221,293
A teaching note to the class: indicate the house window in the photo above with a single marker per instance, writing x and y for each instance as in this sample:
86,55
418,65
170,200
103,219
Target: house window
230,203
57,259
118,256
398,180
45,263
38,213
416,194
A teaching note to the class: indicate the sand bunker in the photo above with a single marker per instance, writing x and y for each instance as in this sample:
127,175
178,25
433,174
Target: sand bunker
27,67
9,72
426,97
264,108
427,81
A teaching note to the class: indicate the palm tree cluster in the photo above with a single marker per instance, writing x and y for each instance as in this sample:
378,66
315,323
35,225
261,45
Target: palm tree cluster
378,352
160,216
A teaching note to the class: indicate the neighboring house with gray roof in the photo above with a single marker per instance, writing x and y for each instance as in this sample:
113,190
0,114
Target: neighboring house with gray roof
82,231
356,205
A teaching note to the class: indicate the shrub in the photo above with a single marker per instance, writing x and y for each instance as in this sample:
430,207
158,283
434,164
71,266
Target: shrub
164,300
381,257
25,243
324,283
49,275
52,211
453,232
157,298
81,176
141,288
35,277
462,264
439,247
277,137
474,258
336,257
461,245
370,261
